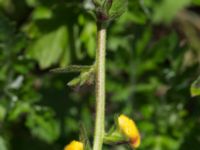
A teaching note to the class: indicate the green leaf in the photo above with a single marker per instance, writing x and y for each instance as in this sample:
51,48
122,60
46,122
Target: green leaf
107,5
49,48
195,88
118,8
72,68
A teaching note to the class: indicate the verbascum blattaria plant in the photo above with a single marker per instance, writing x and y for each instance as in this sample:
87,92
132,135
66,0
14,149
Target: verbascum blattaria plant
124,131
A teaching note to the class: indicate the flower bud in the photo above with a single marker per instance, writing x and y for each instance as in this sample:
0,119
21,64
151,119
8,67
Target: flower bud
128,127
74,145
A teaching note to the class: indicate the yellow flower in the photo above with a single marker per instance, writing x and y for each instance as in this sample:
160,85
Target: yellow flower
74,145
129,129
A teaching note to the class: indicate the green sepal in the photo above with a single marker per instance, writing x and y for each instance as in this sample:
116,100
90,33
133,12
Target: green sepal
195,88
84,137
114,136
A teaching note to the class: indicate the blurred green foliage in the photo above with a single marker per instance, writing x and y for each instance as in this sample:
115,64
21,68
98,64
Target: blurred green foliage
153,58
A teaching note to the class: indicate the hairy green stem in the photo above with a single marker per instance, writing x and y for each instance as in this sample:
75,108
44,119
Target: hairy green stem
100,88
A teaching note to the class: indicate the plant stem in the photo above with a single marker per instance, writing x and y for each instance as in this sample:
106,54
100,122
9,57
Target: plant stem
100,88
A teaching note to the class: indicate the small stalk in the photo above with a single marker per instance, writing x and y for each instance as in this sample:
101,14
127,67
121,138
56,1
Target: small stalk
100,88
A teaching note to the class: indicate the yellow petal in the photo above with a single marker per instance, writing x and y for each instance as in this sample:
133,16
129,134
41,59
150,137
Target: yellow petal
129,129
135,142
74,145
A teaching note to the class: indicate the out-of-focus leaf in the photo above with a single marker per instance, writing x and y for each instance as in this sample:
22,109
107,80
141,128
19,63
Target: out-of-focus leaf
17,83
165,142
167,10
143,42
42,13
32,3
195,88
87,36
137,12
43,126
2,113
65,58
2,144
19,109
48,49
119,92
137,17
147,126
6,29
196,2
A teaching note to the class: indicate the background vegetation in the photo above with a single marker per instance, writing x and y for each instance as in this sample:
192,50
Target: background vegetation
153,57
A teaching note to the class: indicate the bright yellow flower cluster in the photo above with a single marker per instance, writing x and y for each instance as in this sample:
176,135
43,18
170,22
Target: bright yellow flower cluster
74,145
129,129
